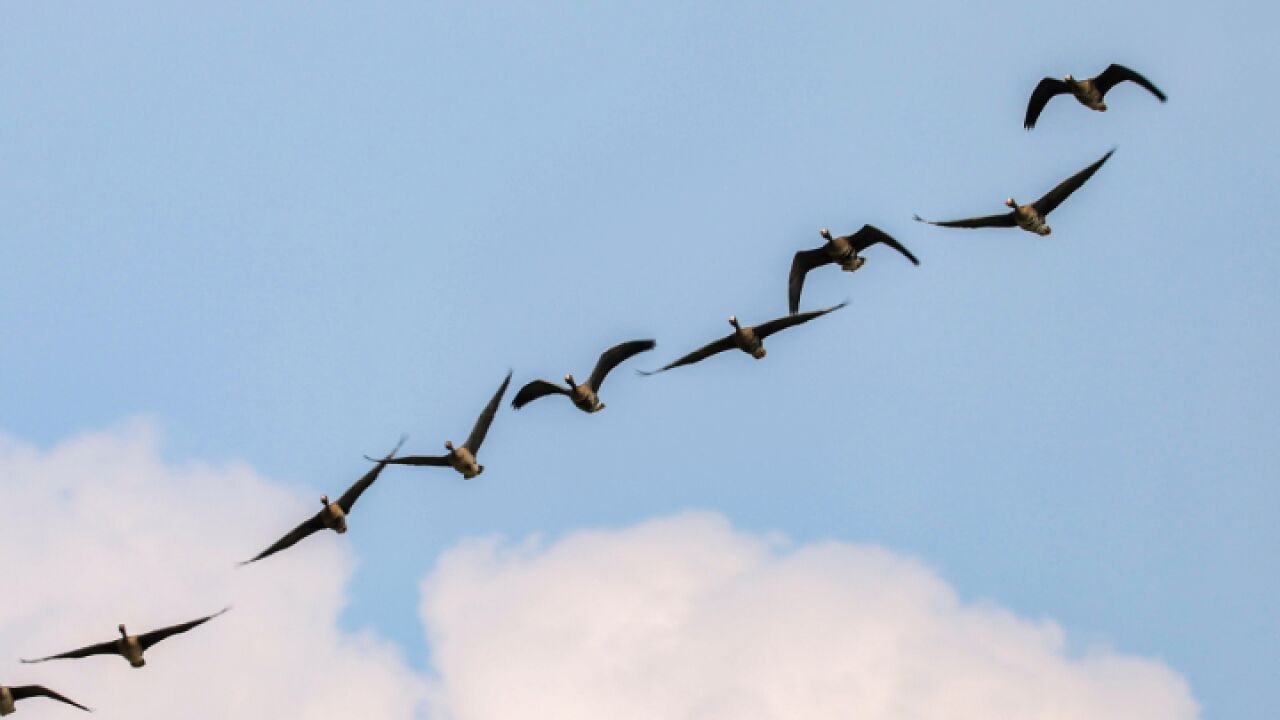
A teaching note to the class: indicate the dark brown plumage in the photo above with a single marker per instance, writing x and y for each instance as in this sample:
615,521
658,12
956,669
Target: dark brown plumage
585,396
749,339
331,515
1029,217
11,695
1089,93
843,249
130,647
463,457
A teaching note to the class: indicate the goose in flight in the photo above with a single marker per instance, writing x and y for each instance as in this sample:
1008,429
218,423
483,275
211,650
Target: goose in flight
1029,217
749,339
844,250
11,695
462,458
131,647
584,396
1089,92
332,515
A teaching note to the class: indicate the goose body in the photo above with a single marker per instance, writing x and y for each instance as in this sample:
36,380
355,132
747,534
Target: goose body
747,338
462,458
585,396
1032,217
9,696
130,647
842,250
1089,92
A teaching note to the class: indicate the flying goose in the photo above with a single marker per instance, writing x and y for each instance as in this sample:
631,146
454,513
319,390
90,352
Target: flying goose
462,458
1089,92
131,647
748,339
11,695
844,250
584,396
332,515
1029,217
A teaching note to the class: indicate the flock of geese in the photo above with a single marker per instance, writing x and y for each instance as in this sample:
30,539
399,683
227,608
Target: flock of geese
844,250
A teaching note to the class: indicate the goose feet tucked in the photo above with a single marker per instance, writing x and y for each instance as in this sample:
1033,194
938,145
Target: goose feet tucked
851,264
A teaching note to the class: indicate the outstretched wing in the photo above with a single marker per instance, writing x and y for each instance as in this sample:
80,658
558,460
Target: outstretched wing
313,524
869,235
702,353
104,648
146,640
536,389
801,264
1116,74
481,428
615,356
348,499
764,330
1047,88
1005,220
30,691
1054,197
421,460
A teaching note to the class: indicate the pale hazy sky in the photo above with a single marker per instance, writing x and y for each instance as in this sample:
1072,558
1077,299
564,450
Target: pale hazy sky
282,236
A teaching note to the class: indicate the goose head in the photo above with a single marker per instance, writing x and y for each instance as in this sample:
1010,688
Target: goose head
568,378
123,633
324,500
733,320
1068,78
448,445
1009,201
825,233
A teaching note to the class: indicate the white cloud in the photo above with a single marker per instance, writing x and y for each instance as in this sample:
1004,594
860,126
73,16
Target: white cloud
684,618
679,617
100,530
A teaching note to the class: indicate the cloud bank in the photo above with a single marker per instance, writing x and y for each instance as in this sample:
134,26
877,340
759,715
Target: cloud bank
679,617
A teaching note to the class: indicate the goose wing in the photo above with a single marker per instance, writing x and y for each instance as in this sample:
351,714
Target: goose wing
536,389
486,418
702,353
1044,92
421,460
146,640
1003,220
348,499
30,691
1054,197
1116,74
615,356
311,525
801,264
103,648
764,330
869,235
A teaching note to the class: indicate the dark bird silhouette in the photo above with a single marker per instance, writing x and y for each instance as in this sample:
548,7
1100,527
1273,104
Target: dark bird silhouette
332,515
1029,217
131,647
1089,92
584,396
843,250
11,695
463,457
749,339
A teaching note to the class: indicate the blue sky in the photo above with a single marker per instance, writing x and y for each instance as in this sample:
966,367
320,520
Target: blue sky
288,234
